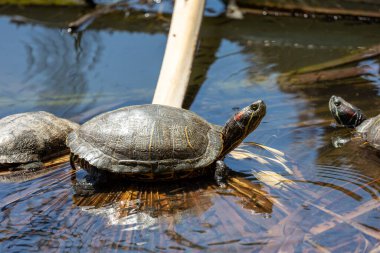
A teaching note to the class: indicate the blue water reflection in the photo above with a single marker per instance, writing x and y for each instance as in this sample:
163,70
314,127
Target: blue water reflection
330,204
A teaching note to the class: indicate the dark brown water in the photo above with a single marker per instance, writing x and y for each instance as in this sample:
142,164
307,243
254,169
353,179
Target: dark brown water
321,199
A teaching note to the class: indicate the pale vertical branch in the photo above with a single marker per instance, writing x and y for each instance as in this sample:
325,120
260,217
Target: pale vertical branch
179,53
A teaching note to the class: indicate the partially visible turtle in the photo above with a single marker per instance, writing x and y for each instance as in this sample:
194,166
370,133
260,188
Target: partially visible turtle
27,139
350,116
157,142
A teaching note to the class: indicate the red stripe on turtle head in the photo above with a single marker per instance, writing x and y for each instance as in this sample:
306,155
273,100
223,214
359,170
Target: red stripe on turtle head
238,116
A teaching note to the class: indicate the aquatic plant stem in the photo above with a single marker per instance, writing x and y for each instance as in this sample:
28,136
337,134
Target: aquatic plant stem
179,53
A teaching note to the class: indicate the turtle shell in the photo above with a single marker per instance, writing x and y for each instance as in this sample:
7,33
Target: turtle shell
32,136
148,142
370,130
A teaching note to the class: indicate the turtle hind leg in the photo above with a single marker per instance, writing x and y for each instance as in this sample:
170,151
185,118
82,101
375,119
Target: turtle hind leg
221,173
30,167
89,184
73,160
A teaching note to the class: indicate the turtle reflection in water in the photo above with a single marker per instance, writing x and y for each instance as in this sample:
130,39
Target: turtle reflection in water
28,139
158,143
350,116
137,206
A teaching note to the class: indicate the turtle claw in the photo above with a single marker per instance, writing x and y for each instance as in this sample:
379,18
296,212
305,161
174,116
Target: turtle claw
222,185
85,186
339,142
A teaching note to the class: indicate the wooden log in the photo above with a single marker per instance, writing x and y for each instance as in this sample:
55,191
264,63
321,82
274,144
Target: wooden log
179,53
359,55
329,71
324,76
278,8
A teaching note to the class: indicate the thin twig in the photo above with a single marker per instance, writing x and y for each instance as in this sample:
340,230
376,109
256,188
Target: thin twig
83,22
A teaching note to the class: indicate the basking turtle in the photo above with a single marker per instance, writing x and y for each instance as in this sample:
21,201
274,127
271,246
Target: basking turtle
350,116
27,139
157,142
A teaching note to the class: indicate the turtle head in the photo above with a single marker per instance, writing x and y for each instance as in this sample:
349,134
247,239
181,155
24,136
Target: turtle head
241,125
345,113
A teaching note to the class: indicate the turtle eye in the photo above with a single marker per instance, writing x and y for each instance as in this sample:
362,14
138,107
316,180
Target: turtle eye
337,103
254,107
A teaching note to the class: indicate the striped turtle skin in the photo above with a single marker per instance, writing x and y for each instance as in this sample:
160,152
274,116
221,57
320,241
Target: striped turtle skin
350,116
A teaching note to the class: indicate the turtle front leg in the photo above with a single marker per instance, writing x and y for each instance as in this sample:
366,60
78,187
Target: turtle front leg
221,173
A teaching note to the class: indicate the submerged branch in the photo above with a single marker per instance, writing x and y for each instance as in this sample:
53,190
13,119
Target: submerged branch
324,76
323,72
360,55
84,21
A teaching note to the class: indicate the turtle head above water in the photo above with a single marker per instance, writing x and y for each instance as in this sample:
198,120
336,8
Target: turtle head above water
241,125
345,113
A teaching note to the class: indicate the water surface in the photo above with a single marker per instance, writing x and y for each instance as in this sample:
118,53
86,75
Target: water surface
330,204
